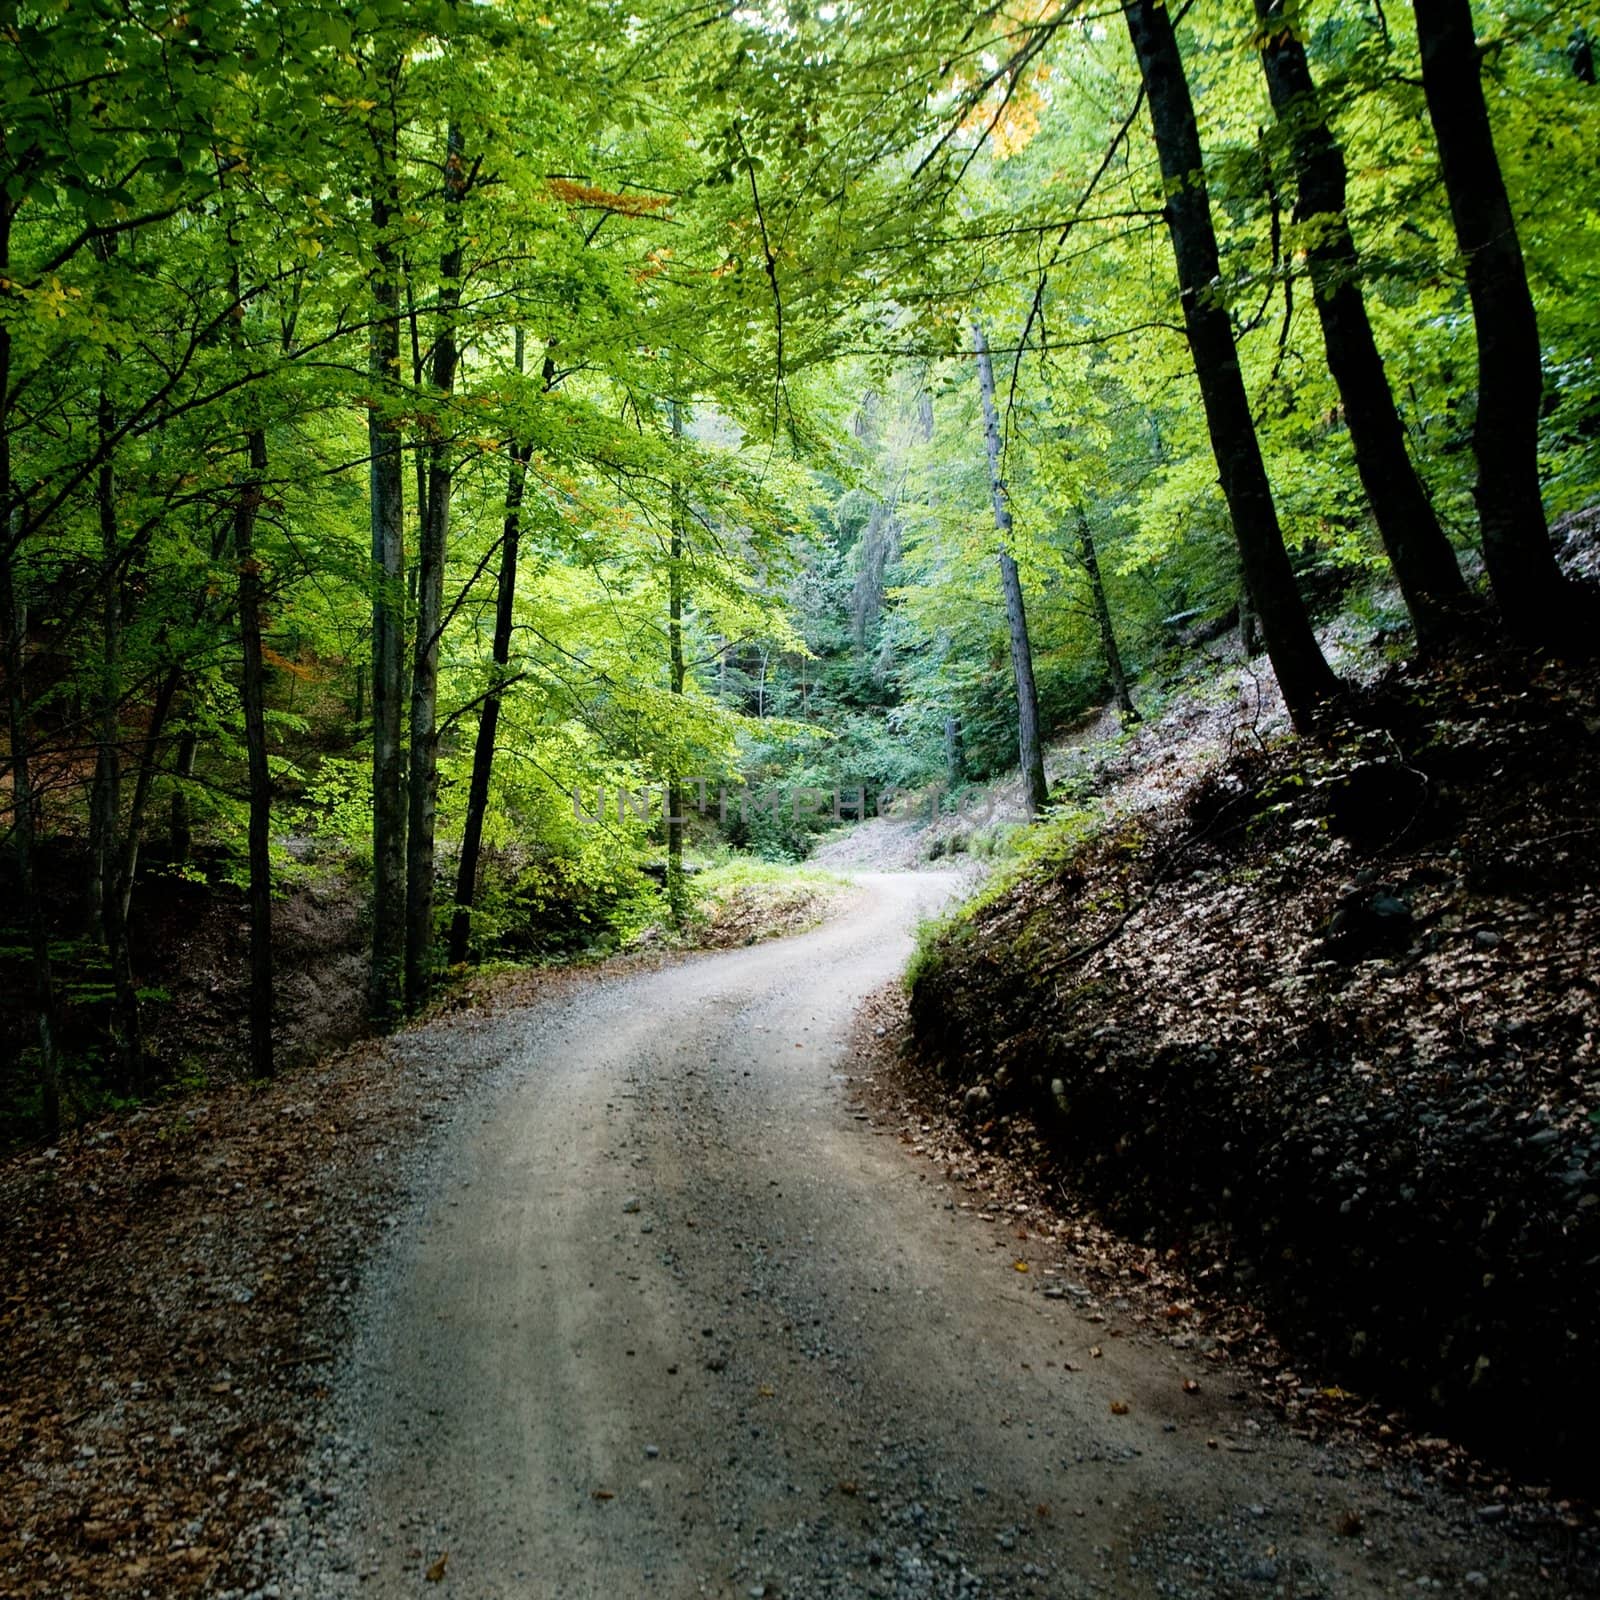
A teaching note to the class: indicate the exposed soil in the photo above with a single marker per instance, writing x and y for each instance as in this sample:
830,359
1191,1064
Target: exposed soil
191,957
1327,1026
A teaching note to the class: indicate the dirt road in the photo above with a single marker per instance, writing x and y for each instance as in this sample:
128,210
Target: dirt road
675,1321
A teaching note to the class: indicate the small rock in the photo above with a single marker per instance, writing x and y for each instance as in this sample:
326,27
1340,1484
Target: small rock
632,1205
1485,939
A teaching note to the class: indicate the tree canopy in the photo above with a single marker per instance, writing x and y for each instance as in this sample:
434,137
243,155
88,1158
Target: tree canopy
421,424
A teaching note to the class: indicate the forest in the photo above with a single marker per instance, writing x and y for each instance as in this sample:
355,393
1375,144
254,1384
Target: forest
486,487
416,417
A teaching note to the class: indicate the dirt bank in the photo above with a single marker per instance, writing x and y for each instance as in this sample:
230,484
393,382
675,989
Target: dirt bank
1328,1026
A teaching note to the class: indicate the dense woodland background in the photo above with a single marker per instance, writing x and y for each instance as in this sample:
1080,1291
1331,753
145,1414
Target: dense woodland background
413,416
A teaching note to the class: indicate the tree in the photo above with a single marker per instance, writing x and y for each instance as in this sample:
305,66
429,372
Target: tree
253,698
489,716
1528,586
1029,754
387,517
423,776
1424,564
677,890
1303,675
13,618
1121,696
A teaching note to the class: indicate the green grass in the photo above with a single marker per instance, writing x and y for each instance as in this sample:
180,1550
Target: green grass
743,899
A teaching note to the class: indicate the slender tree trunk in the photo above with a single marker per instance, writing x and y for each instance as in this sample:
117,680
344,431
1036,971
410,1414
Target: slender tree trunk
144,779
386,448
14,626
252,695
252,692
13,615
106,805
424,776
1102,615
1303,675
181,821
1029,752
954,766
677,887
489,716
1424,564
419,371
104,795
1534,599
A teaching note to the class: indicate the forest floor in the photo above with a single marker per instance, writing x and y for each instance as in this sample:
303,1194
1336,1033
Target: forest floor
622,1283
1323,1026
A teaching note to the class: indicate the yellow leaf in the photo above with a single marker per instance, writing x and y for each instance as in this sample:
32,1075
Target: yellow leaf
435,1573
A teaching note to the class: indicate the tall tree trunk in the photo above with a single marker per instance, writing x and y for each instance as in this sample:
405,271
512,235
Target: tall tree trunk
144,779
252,692
180,826
104,795
677,888
1534,599
424,775
489,716
14,628
13,617
1303,675
1029,752
1117,677
386,448
248,495
1424,564
108,909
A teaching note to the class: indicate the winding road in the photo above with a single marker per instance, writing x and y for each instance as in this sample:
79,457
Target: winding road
675,1321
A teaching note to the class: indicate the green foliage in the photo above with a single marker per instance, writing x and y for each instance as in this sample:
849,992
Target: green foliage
664,218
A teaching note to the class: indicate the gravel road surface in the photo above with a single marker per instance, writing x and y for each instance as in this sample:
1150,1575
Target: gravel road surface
671,1317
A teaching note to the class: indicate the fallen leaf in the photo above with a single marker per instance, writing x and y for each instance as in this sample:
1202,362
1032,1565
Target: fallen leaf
604,1494
1191,1386
435,1573
766,1391
1119,1408
1021,1266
